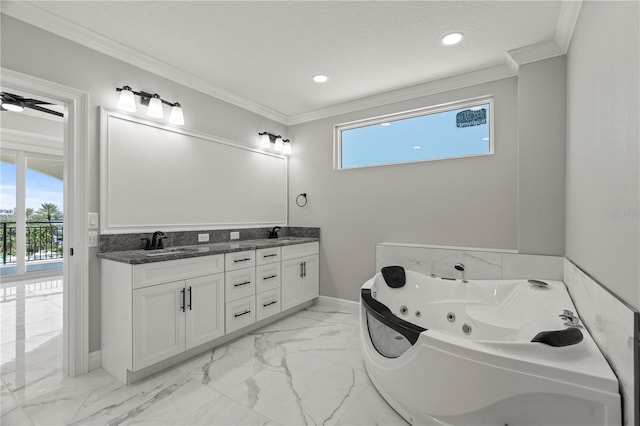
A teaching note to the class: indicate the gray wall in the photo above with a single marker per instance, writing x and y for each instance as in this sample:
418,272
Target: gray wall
468,202
603,180
541,156
30,50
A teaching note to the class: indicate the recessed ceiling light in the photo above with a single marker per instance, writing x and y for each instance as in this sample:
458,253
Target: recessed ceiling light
417,147
385,124
452,38
320,78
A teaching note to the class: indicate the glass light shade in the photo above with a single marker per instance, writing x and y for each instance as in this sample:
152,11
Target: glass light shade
16,106
155,107
287,148
279,144
265,141
127,101
177,117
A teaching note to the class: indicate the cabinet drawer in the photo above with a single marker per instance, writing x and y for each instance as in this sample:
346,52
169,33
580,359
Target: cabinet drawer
267,277
300,250
239,260
240,313
267,255
267,304
150,274
240,283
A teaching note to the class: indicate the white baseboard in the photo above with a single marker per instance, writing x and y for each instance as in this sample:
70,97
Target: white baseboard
337,304
95,360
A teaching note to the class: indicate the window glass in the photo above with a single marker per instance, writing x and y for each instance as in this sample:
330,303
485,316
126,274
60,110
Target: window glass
459,130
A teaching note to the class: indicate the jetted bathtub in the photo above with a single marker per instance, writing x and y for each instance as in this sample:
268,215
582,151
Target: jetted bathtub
444,351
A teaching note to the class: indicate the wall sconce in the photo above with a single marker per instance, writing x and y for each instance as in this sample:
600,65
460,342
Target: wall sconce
127,102
279,144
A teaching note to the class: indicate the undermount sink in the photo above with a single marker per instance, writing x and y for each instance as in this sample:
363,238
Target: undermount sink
162,252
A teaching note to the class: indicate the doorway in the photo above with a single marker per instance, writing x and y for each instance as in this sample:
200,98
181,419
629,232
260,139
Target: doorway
62,240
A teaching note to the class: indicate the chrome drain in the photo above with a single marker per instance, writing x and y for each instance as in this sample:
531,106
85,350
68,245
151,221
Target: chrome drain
466,329
451,317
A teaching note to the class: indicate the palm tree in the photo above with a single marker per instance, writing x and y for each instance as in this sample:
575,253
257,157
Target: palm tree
49,211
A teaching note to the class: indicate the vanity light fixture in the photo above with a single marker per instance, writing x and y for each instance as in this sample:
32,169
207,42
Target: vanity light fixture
154,103
279,144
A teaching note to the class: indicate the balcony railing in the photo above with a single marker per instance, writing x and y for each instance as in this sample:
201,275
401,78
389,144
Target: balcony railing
43,241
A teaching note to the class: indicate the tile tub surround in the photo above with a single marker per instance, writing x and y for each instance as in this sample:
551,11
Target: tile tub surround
479,263
614,326
123,242
303,369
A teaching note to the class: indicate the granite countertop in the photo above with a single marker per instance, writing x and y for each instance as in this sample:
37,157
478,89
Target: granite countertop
138,257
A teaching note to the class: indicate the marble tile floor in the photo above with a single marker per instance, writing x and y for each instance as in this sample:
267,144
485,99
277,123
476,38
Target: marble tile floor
305,369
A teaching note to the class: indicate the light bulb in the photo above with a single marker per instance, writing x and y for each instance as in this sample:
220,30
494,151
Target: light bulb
177,117
155,107
265,141
287,147
127,101
15,106
279,144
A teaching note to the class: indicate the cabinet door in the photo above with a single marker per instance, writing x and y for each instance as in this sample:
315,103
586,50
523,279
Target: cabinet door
158,323
204,309
291,275
309,283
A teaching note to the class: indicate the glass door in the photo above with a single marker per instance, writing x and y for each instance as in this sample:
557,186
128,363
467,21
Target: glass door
31,212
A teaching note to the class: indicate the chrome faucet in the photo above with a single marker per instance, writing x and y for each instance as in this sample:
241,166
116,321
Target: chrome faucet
460,267
570,320
274,232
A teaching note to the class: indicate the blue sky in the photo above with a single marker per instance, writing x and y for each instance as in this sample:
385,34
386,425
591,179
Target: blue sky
418,138
40,188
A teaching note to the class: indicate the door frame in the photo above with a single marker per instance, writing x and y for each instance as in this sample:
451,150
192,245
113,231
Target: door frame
76,208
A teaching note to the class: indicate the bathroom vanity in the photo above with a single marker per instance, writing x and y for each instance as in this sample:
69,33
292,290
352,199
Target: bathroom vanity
161,308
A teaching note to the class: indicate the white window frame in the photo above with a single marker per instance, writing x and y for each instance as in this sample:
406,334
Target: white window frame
339,128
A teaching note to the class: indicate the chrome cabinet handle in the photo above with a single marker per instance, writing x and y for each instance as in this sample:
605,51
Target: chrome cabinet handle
241,314
183,300
269,277
244,283
190,299
270,303
270,255
301,270
242,260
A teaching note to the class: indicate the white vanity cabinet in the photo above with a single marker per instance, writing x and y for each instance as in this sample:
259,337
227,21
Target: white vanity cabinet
146,320
268,282
240,286
299,274
173,317
155,314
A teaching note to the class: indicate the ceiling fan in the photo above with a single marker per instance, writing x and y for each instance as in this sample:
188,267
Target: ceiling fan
17,103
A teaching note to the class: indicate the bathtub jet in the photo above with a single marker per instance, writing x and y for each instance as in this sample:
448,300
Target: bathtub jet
444,352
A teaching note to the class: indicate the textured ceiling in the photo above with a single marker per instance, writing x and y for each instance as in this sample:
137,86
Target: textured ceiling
267,51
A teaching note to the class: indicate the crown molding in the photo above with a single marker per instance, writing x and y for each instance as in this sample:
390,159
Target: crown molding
567,19
535,52
458,81
41,18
